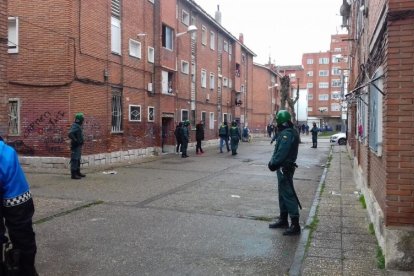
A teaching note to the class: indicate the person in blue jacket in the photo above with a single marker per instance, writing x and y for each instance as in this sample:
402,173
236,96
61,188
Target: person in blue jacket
16,213
76,137
283,161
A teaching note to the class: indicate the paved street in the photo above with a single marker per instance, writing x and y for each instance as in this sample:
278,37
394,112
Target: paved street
203,215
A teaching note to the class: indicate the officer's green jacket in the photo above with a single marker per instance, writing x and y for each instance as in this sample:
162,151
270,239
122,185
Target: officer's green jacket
286,148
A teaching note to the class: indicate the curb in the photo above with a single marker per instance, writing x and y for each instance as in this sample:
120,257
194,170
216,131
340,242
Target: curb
296,267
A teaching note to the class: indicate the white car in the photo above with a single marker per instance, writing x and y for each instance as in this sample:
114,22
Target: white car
339,138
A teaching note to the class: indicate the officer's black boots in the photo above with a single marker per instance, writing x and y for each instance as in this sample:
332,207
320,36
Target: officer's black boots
75,175
294,228
282,222
80,174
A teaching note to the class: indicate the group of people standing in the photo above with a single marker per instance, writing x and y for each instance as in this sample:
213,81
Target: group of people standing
232,134
182,136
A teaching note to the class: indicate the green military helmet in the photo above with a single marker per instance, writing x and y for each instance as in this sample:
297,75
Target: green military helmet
79,116
282,117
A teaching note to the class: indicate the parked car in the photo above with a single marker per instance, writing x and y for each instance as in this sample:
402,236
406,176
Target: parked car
338,138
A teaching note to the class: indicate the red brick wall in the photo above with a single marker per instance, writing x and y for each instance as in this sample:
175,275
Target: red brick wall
261,106
3,81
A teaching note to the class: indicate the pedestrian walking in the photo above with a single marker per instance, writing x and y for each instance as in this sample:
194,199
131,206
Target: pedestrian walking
177,134
224,136
199,136
314,132
76,137
17,253
234,137
307,129
283,162
185,138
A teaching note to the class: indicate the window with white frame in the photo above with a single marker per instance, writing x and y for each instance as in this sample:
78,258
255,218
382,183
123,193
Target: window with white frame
203,78
310,96
115,35
185,67
167,37
335,107
230,83
323,73
134,113
185,17
225,118
203,35
323,60
211,121
225,46
204,117
151,114
309,85
14,117
335,95
151,54
309,61
13,35
212,40
336,71
116,107
167,82
309,73
134,48
336,58
336,83
184,115
225,82
375,109
310,108
324,85
212,78
323,97
337,50
220,44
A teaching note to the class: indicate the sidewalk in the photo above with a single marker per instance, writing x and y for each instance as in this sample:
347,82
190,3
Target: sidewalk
336,239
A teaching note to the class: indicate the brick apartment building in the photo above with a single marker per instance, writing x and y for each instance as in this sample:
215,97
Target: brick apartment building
3,72
381,119
267,97
324,74
135,69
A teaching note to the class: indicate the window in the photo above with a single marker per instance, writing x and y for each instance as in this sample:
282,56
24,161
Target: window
203,78
242,88
167,37
375,109
225,118
323,73
134,113
230,83
211,120
237,70
167,82
14,117
13,35
310,73
185,18
134,48
323,60
220,44
225,82
310,96
309,61
116,106
151,54
336,71
309,85
324,85
338,50
203,35
212,40
185,67
226,46
323,97
151,114
115,35
184,115
310,108
335,95
204,117
336,83
212,81
335,107
336,58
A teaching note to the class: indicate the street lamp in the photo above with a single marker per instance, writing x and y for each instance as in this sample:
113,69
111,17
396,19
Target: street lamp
191,29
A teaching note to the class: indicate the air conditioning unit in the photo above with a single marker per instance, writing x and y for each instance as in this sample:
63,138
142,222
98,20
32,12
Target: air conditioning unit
207,97
149,87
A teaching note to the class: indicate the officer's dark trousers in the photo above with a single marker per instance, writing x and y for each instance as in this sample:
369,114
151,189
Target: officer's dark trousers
287,200
314,141
234,144
184,146
75,157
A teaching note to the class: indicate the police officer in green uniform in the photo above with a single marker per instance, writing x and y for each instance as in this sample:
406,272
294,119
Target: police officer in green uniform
185,138
76,137
234,137
283,161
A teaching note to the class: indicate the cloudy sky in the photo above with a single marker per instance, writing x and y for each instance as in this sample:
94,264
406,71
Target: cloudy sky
283,29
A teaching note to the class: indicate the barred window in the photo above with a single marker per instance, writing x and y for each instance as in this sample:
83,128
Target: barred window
134,113
151,115
116,105
14,117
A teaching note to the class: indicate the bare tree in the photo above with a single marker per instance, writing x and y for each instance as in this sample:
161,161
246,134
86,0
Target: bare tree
285,96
